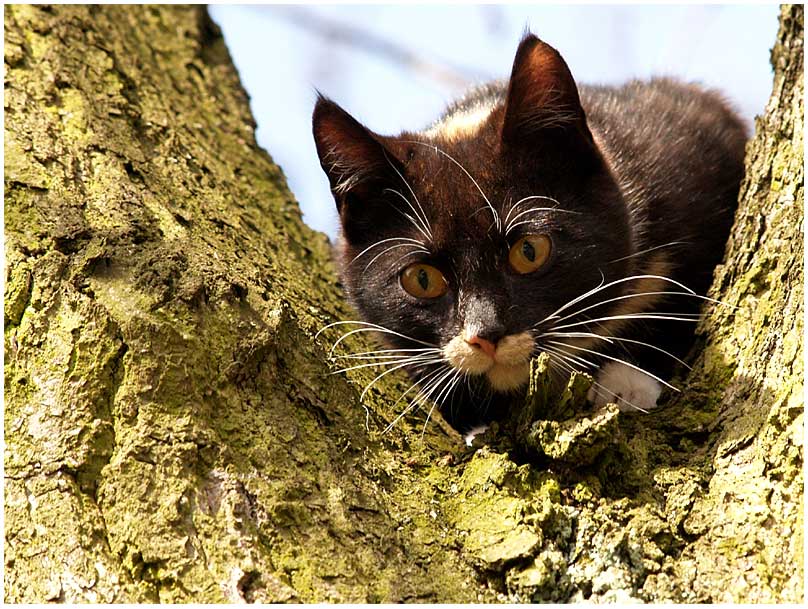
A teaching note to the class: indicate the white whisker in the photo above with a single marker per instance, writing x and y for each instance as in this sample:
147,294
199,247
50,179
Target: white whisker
370,328
412,386
431,377
650,249
384,352
423,217
691,317
425,380
530,211
574,358
570,359
438,401
381,376
611,339
603,286
513,224
435,386
424,230
510,228
380,358
398,260
367,249
393,247
426,393
524,200
554,314
637,295
615,359
617,397
415,359
463,169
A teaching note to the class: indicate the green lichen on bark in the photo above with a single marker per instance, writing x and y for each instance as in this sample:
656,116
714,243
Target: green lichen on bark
172,429
750,369
174,432
557,422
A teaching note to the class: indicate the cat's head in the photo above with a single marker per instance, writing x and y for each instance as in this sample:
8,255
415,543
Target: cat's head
469,235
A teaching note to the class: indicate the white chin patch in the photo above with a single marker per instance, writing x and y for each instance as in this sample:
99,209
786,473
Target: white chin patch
626,387
509,369
504,378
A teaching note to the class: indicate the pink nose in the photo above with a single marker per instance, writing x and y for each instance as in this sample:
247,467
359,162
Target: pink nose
487,346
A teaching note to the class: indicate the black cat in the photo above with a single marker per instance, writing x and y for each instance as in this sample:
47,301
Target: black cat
531,217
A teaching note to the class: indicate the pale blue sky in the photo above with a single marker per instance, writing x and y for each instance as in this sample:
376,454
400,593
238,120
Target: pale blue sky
282,61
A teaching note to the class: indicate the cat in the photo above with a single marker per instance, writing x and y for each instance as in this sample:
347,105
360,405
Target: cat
534,215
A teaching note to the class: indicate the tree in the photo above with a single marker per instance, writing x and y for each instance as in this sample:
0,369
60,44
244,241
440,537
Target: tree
173,430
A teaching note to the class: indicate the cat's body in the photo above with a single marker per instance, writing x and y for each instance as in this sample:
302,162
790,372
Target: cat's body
478,239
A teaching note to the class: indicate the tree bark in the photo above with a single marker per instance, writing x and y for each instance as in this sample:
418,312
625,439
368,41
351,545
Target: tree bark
173,429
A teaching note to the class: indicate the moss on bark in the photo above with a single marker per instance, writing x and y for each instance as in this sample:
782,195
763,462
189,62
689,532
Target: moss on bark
749,372
173,432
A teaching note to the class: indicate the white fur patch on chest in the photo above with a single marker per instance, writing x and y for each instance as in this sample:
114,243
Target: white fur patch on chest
630,389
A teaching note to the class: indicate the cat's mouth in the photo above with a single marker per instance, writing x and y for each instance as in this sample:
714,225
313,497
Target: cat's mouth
506,370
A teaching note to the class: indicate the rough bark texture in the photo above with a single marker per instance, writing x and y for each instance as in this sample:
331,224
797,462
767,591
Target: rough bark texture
746,521
173,432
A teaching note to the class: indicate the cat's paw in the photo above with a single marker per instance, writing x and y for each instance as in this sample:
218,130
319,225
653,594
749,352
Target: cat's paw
474,432
630,389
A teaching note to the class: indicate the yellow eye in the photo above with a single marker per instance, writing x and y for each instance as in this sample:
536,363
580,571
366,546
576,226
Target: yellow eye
529,253
423,281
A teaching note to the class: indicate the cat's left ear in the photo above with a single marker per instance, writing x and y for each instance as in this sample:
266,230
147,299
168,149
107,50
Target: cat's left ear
542,96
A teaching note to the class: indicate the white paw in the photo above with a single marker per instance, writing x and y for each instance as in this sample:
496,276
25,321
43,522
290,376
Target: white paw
626,387
473,432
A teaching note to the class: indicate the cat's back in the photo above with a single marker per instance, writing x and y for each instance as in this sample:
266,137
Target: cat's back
677,152
667,135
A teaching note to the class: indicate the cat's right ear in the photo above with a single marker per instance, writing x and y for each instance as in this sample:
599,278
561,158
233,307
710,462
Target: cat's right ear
359,167
353,157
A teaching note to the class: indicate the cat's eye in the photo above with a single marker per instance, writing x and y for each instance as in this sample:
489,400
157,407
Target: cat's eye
423,281
529,253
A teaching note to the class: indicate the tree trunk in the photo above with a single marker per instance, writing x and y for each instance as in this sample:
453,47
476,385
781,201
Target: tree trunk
173,432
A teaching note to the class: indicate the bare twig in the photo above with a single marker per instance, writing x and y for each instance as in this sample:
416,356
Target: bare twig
367,41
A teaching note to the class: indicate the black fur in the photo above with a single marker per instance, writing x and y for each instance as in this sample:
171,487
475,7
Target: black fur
639,166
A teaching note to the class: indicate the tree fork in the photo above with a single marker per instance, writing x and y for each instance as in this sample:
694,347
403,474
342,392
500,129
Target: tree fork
173,432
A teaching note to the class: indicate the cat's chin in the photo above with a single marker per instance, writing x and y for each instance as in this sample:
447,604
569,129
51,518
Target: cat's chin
506,378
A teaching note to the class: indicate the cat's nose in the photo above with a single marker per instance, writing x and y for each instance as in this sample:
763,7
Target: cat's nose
488,347
483,325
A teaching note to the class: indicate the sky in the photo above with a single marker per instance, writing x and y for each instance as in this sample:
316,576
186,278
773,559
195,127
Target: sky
396,67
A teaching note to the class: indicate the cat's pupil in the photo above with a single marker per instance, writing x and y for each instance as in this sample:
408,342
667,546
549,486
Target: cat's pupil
528,251
423,279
